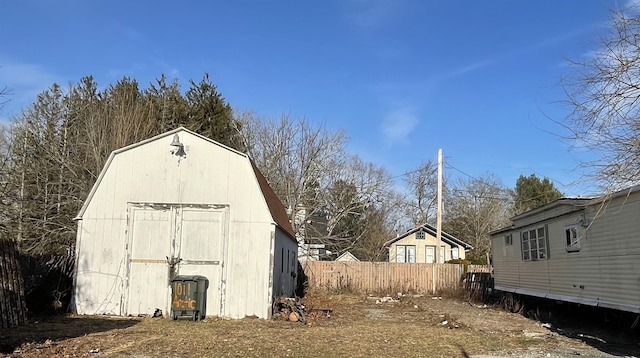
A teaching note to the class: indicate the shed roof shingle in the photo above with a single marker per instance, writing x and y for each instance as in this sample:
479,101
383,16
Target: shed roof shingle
276,207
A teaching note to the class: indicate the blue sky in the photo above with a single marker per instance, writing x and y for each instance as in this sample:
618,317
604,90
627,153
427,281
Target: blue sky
478,79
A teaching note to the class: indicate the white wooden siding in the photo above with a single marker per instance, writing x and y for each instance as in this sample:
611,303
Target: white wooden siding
209,175
421,245
201,249
150,243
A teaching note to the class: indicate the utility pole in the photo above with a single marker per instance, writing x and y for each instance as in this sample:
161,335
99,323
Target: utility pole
438,224
439,209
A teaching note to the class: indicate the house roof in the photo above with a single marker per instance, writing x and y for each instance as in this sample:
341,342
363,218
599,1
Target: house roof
346,256
274,204
449,239
577,202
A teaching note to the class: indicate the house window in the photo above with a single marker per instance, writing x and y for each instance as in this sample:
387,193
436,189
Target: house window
442,257
406,253
430,254
454,253
508,240
573,238
420,235
534,244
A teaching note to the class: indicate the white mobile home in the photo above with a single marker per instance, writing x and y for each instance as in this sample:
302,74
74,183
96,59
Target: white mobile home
182,204
579,250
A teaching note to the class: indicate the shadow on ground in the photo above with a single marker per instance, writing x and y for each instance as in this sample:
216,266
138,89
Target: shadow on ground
605,330
56,328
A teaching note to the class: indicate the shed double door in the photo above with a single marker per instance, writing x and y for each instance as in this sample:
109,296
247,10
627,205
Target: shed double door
165,241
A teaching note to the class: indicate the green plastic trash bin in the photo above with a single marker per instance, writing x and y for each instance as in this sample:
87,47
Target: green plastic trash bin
189,297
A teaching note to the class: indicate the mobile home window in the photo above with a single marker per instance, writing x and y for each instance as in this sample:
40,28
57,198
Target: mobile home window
534,244
406,253
572,236
508,240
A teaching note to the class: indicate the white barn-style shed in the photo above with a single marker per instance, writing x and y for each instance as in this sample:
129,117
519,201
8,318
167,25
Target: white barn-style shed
182,204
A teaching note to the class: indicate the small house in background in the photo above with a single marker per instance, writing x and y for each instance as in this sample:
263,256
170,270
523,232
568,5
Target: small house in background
420,245
182,204
347,256
580,250
310,229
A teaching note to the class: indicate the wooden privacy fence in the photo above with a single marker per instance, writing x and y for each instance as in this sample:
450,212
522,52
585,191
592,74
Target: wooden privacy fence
383,277
13,309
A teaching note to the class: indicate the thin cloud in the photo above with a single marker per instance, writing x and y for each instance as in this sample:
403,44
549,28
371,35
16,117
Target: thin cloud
470,68
24,81
510,55
170,71
399,123
371,14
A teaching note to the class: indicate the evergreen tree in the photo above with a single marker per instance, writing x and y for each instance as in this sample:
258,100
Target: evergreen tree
531,192
60,143
210,115
166,104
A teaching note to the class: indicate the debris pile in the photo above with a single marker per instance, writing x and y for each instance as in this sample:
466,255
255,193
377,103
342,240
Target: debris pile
289,309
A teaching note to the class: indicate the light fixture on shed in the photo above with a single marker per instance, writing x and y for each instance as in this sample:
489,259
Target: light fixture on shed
179,147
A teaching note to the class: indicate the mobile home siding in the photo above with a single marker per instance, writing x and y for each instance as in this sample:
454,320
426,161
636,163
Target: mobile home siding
604,272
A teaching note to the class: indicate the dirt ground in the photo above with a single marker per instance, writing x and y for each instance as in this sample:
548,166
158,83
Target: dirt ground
336,325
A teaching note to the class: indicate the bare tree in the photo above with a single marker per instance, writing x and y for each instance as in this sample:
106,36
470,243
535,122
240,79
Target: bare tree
422,189
330,193
475,207
4,91
295,157
604,92
353,204
61,142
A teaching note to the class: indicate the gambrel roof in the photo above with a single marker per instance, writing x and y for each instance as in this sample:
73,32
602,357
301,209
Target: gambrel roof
277,210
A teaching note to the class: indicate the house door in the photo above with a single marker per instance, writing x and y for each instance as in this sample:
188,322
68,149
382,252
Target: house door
169,240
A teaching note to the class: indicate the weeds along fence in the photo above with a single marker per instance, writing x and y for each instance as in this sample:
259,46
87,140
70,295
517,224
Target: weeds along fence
13,309
383,277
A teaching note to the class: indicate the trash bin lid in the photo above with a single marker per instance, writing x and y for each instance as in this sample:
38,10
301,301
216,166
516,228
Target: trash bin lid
196,278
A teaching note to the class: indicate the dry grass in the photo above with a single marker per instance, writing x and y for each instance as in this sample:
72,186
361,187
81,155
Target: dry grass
357,327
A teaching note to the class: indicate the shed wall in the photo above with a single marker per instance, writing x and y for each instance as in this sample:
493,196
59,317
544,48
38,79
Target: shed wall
149,173
285,265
